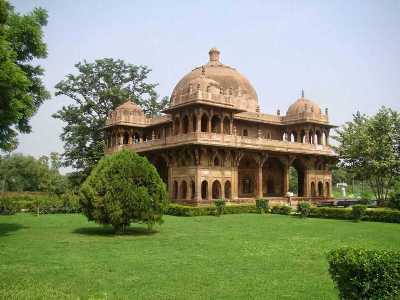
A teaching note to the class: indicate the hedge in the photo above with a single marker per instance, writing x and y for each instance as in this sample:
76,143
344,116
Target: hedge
365,274
377,215
281,209
11,203
191,211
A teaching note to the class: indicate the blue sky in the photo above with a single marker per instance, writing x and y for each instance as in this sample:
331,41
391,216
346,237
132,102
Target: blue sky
344,54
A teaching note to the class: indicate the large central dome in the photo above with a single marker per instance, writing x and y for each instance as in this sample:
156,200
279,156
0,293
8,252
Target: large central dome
218,83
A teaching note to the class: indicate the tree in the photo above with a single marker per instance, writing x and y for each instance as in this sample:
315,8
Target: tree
124,188
369,148
21,87
96,90
20,173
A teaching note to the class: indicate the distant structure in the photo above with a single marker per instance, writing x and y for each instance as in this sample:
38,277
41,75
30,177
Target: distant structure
213,141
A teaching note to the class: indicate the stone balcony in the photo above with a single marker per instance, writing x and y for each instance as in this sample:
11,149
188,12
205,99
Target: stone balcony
226,140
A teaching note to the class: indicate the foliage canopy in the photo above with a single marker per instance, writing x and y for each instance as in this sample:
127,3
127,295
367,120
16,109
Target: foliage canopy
370,149
21,87
96,90
124,188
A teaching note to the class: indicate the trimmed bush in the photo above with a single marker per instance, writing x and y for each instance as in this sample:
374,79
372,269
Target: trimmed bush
7,207
357,212
304,209
192,211
382,215
376,215
262,205
365,274
281,209
42,203
330,213
124,188
220,205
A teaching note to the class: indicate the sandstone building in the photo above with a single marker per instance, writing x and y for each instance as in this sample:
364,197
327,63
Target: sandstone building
213,141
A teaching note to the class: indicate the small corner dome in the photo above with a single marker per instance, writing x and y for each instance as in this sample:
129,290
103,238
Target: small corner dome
129,106
218,78
303,105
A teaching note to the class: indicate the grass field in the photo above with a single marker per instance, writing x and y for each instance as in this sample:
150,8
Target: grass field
231,257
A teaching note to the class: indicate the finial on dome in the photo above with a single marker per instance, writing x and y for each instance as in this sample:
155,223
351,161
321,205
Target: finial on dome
214,55
302,93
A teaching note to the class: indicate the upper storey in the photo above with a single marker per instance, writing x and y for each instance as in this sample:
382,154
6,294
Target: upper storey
215,84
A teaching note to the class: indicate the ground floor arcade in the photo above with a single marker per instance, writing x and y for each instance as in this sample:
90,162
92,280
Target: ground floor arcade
200,175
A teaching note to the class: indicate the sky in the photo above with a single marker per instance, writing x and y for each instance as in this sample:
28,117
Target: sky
344,54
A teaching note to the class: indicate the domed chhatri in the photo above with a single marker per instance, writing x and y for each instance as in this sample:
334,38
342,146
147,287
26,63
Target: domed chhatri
303,105
216,83
213,142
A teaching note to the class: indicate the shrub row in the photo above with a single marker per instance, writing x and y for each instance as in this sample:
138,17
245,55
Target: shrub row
281,209
365,274
10,203
377,215
191,211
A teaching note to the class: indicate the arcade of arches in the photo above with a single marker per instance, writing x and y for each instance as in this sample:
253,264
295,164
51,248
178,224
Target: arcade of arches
196,175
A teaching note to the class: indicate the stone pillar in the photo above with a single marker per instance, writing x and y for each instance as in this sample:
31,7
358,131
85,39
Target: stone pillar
170,182
209,196
231,126
285,179
307,136
222,190
260,182
198,185
209,124
235,184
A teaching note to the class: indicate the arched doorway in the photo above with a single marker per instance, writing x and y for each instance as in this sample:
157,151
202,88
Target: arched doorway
183,190
319,137
136,138
204,190
273,172
327,190
313,191
204,123
175,190
216,124
177,126
228,190
293,181
293,136
126,137
192,189
216,190
296,177
247,171
320,189
227,126
185,125
162,169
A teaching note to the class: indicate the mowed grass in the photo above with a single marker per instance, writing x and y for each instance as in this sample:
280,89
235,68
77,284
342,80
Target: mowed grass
245,256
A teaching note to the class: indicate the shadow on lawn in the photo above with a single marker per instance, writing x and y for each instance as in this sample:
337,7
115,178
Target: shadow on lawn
6,228
109,231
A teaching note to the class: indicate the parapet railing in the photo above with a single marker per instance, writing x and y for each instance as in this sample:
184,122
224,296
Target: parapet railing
227,140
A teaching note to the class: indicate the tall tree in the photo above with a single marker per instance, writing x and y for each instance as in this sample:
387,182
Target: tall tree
21,87
369,148
96,90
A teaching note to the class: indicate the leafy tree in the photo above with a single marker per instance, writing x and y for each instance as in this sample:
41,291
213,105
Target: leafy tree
21,87
96,90
25,173
369,148
124,188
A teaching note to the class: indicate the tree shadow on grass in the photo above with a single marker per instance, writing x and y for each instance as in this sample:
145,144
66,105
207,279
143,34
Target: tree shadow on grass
6,228
109,231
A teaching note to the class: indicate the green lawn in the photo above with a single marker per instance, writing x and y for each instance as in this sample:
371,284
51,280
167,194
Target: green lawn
231,257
